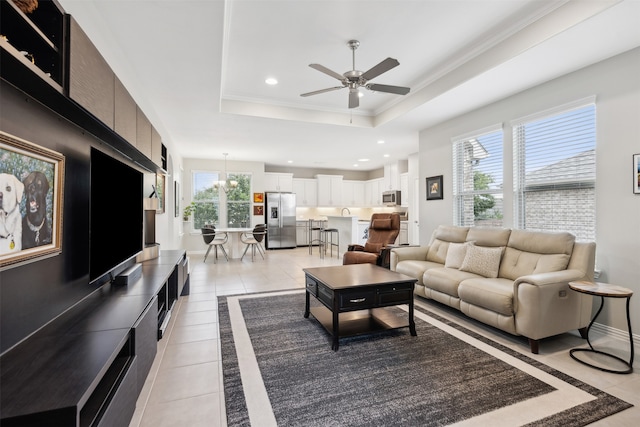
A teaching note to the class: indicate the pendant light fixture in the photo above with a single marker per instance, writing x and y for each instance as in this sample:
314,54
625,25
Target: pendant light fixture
226,185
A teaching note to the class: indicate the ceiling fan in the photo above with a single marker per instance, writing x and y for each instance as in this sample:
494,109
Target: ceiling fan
355,79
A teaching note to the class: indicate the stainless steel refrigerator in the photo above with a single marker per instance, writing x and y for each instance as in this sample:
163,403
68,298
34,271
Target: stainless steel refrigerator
280,211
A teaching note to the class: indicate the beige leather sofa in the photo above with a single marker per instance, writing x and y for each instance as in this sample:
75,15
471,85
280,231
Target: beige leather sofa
514,280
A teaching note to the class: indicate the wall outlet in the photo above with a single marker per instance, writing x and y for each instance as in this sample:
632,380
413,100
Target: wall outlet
562,293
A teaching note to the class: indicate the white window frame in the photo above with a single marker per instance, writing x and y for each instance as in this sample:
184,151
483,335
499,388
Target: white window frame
577,195
463,205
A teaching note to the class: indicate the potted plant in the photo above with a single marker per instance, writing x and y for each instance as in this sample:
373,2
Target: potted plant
188,210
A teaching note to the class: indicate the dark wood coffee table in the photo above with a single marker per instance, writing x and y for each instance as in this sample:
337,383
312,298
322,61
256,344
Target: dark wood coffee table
354,296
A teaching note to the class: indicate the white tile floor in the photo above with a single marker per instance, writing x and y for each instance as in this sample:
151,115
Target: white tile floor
184,387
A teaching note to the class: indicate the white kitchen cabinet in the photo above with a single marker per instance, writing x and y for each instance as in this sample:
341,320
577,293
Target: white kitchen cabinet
329,190
353,194
373,192
404,189
403,236
276,181
306,192
391,179
302,233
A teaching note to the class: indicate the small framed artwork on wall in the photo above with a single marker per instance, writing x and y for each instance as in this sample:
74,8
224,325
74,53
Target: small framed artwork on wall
636,173
31,198
434,188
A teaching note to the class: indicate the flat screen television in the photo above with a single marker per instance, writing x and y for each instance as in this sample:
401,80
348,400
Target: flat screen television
116,214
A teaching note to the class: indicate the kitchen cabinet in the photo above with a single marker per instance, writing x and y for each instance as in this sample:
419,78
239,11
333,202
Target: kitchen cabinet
391,179
353,193
302,233
329,190
403,236
373,192
306,192
404,189
275,181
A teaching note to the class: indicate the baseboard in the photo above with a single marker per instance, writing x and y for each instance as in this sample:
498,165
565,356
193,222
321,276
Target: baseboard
601,330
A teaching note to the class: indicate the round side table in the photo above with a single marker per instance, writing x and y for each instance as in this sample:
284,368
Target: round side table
603,290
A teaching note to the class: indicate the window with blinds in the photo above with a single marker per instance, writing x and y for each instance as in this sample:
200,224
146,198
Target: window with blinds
206,198
477,179
555,172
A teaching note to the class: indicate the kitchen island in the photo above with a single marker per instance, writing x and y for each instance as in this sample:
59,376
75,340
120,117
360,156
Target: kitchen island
347,227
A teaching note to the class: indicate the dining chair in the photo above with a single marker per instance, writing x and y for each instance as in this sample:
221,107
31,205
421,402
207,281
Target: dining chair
214,240
254,240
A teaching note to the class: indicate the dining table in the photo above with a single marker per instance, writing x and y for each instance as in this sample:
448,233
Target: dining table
234,246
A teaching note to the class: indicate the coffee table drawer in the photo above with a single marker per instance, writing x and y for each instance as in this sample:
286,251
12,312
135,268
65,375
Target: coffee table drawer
312,286
357,300
325,295
399,296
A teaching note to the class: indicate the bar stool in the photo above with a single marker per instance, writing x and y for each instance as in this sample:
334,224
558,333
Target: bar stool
312,240
327,240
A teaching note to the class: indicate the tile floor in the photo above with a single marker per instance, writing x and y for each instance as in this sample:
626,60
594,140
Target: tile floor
184,387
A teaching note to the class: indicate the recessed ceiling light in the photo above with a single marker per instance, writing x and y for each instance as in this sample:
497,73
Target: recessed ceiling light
363,160
380,141
386,155
355,165
271,81
289,161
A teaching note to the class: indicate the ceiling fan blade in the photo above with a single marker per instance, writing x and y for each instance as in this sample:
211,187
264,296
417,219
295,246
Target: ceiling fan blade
327,71
398,90
354,99
322,91
382,67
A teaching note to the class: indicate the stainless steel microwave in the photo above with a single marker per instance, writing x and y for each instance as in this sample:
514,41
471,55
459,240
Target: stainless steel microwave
391,198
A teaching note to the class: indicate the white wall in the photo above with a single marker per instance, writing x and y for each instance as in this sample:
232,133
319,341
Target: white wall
616,85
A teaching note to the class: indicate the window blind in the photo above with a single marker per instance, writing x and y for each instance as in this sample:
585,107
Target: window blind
478,179
555,172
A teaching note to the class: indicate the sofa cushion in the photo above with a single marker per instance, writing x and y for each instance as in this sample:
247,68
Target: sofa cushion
445,280
516,263
493,294
415,268
542,242
532,252
438,251
488,236
440,239
455,255
482,260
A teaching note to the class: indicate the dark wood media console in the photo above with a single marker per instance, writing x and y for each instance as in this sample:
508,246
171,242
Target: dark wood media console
88,366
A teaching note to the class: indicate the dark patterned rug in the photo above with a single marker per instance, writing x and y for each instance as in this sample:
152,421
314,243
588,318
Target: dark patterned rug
289,376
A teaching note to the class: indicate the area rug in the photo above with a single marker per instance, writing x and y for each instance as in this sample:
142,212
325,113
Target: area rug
279,370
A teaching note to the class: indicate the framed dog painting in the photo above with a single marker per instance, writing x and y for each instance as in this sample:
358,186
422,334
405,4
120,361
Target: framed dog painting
31,191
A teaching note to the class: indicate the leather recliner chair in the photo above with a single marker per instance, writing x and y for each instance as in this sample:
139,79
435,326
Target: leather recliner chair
383,230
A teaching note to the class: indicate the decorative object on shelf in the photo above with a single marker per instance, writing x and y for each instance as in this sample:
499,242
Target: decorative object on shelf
31,190
434,188
636,173
226,185
188,210
258,210
160,180
27,6
258,197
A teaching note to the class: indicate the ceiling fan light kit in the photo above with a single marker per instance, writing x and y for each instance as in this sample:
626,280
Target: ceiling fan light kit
355,79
